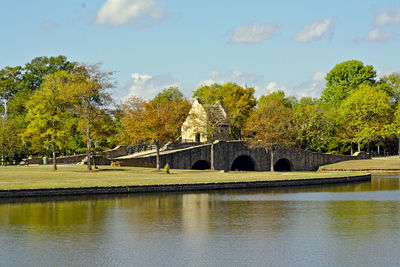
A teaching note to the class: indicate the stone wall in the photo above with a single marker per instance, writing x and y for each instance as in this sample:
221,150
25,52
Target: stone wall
177,159
226,152
118,151
73,159
26,193
308,160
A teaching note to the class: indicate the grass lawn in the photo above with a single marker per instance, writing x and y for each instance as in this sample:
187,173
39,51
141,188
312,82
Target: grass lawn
73,176
377,164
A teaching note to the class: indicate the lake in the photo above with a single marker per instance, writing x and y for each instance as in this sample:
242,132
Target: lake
336,225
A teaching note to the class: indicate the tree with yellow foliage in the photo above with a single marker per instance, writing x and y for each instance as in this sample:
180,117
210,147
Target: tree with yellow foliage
90,93
49,109
155,122
271,125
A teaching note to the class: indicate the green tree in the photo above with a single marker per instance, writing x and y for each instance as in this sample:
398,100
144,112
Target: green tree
10,143
314,125
49,110
271,125
278,97
366,114
91,93
391,84
32,76
344,78
237,100
10,84
38,68
169,94
393,131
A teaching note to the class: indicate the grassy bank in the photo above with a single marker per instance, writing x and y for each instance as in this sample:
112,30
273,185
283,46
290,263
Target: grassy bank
377,164
73,176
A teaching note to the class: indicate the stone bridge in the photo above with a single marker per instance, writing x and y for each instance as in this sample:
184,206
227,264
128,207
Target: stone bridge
236,155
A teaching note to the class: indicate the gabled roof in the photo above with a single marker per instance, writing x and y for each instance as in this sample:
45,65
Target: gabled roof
217,113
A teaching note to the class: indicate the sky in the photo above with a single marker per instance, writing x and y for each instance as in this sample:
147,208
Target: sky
153,44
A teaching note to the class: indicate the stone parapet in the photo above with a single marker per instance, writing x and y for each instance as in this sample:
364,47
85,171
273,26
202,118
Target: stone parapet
232,155
74,159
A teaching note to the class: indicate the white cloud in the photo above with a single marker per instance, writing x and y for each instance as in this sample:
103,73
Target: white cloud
376,35
315,30
274,86
215,74
313,86
253,33
244,77
388,17
386,70
271,87
207,82
241,78
140,13
147,86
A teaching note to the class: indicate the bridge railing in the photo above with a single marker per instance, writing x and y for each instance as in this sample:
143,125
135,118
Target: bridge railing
140,148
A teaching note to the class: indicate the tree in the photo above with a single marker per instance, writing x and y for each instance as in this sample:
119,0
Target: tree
169,94
150,121
278,97
104,129
30,78
133,112
366,114
391,84
314,125
10,84
271,125
38,68
10,143
237,101
344,78
49,109
91,93
393,130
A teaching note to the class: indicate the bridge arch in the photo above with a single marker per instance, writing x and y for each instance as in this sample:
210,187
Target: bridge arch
283,165
201,165
243,163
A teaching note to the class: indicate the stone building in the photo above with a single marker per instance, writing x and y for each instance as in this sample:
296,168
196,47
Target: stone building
205,123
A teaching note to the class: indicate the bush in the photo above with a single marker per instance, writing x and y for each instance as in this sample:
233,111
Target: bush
115,164
166,168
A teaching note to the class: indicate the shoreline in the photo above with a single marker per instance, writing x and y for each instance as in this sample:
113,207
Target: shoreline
22,193
368,170
375,165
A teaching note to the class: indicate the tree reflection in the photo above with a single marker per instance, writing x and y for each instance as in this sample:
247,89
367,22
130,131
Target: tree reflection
244,212
200,213
365,218
58,217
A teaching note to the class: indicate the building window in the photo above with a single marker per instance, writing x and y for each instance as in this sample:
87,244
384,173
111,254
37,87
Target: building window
197,138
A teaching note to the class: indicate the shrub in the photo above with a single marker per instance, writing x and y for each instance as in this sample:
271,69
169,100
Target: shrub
166,168
115,164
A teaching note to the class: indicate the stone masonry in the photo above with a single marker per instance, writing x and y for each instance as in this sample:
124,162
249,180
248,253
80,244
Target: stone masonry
236,155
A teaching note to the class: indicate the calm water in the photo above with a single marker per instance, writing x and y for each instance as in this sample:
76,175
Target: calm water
347,225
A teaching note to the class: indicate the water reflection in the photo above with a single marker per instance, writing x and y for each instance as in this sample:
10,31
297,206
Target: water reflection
319,225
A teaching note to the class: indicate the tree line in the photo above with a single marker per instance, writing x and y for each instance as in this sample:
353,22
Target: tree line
53,107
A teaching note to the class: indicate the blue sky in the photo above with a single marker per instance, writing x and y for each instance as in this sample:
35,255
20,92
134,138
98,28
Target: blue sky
152,44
